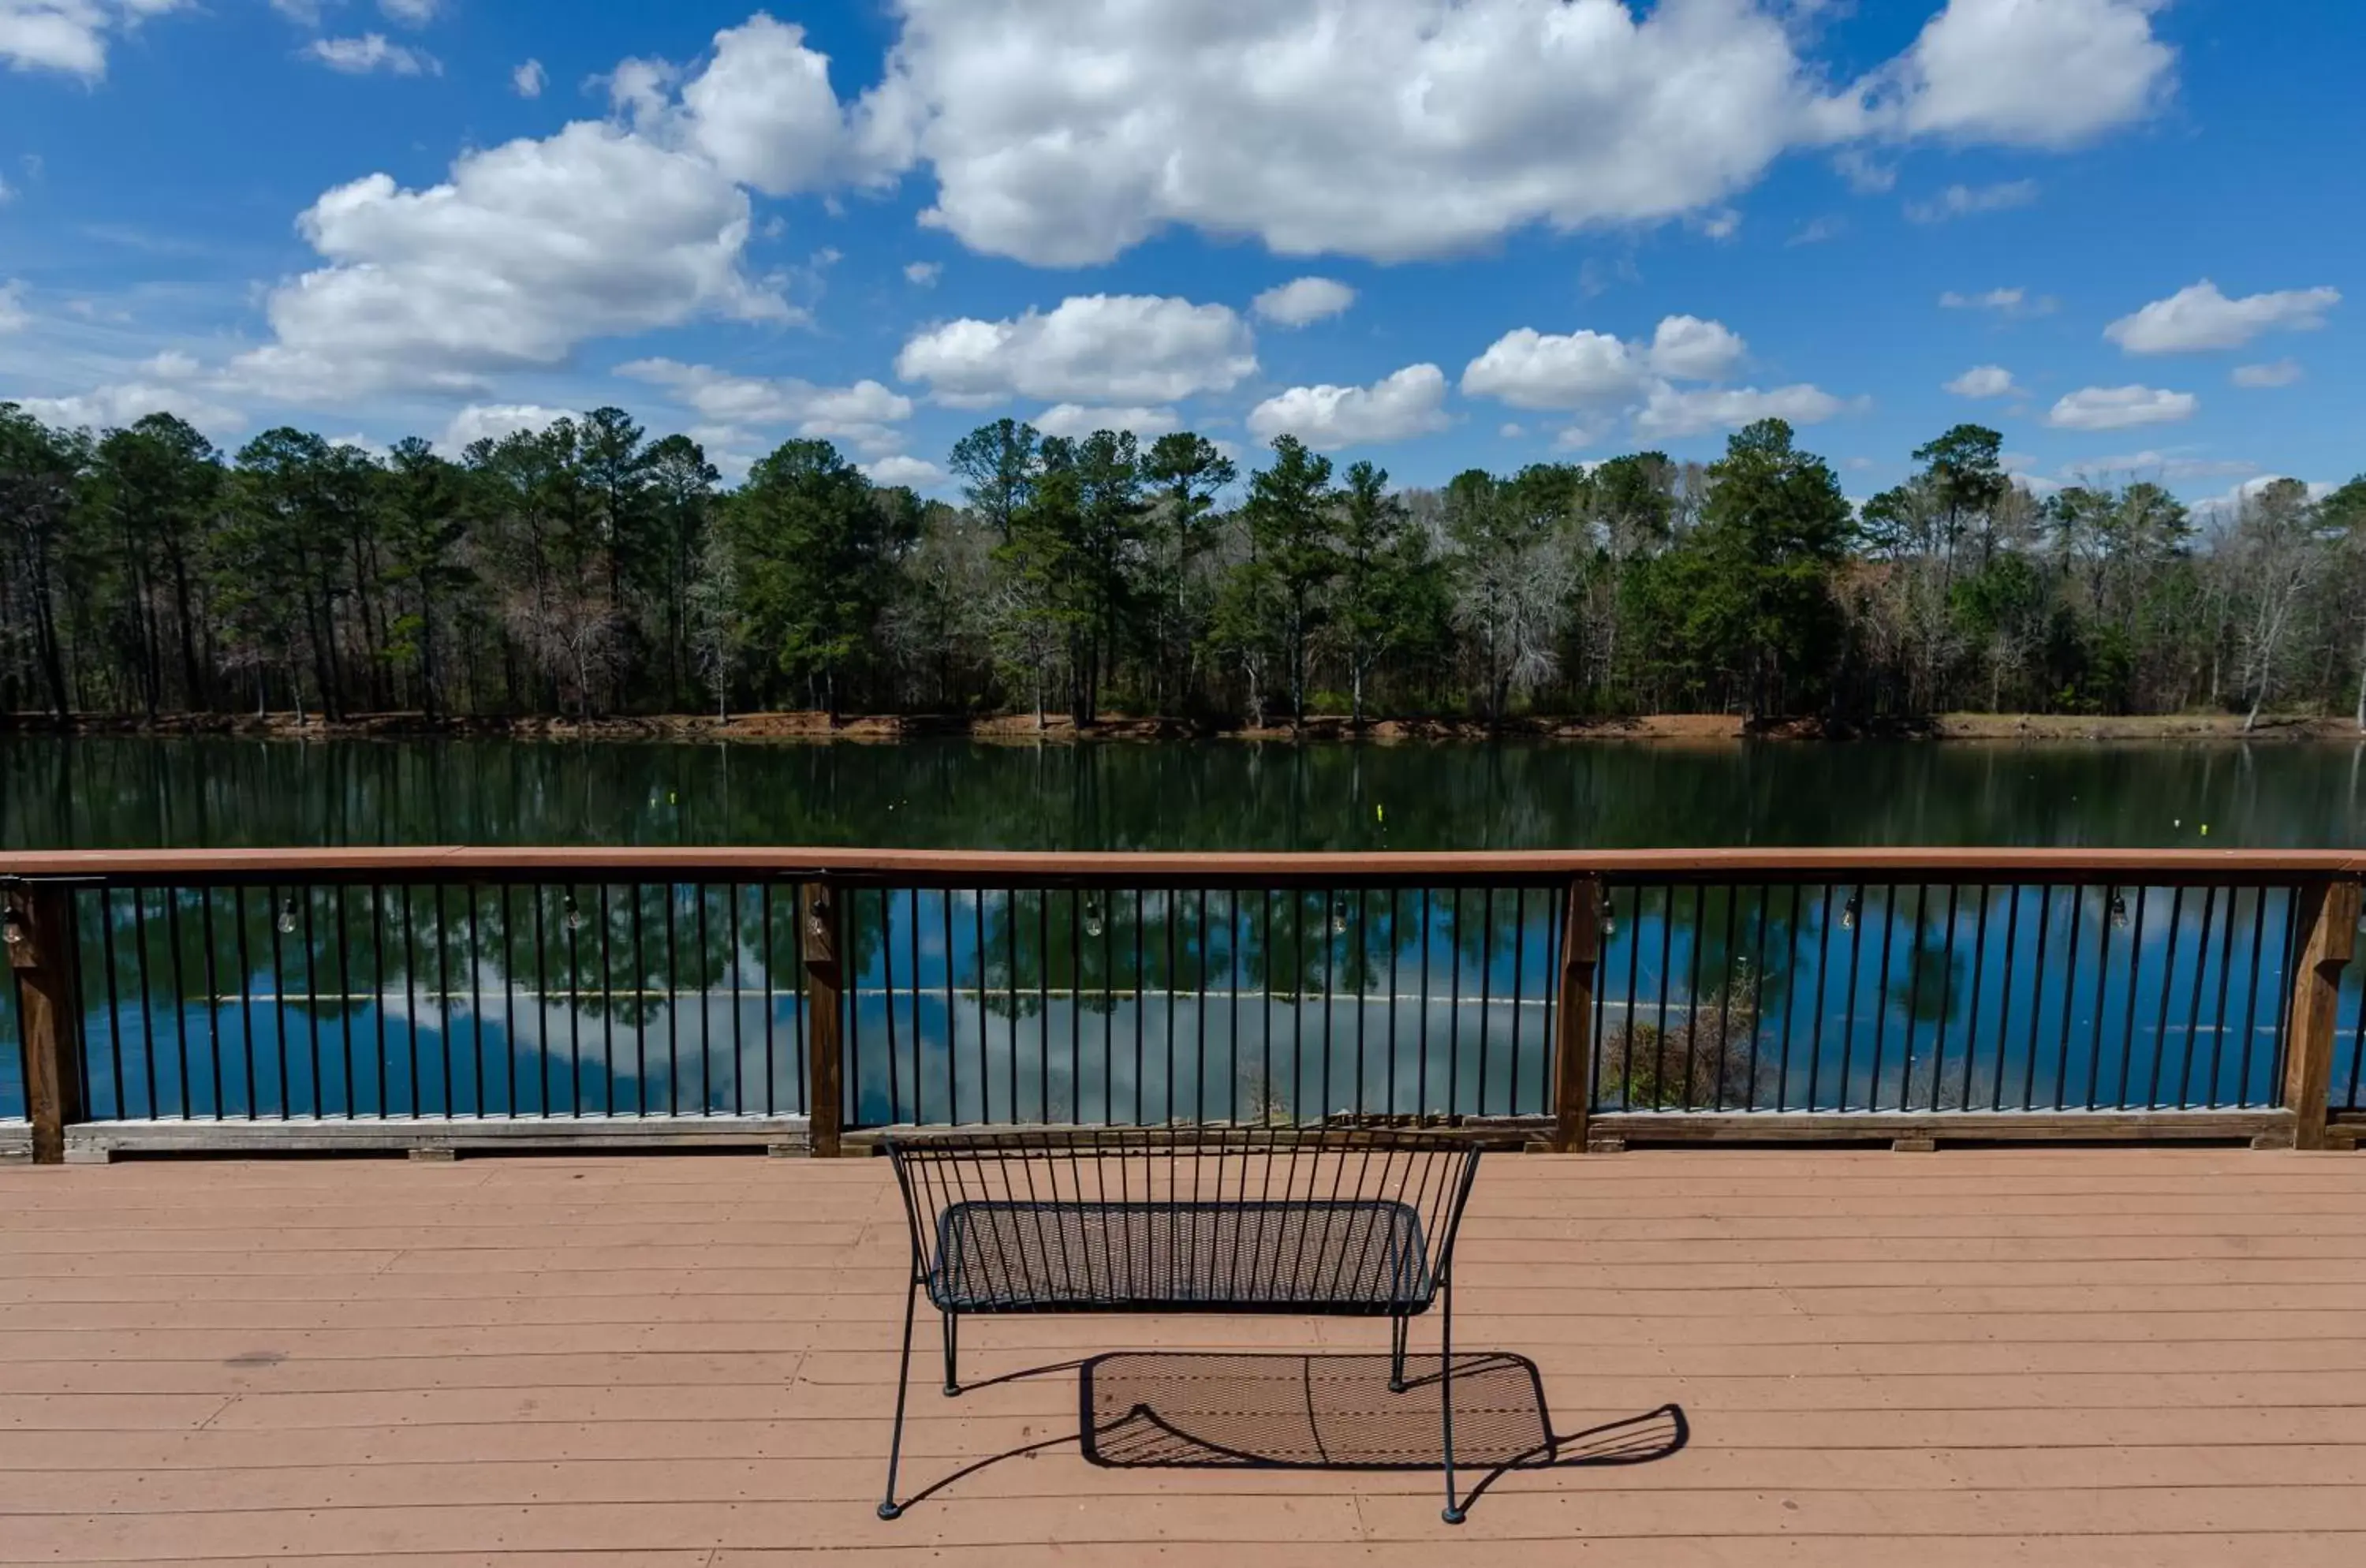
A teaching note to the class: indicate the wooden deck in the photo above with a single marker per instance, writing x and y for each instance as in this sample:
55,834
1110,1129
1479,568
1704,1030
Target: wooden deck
2097,1358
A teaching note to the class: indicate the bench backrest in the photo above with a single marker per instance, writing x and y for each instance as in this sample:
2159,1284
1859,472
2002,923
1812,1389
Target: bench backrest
1302,1185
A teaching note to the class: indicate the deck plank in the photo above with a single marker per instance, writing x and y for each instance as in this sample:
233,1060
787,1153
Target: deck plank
2106,1357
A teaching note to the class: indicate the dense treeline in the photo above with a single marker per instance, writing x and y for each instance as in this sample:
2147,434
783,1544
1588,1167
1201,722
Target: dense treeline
586,570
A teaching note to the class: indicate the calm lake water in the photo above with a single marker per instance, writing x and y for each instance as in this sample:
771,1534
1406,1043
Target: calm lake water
1217,795
1001,1005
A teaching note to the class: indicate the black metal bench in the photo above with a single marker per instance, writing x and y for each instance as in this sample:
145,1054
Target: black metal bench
1315,1221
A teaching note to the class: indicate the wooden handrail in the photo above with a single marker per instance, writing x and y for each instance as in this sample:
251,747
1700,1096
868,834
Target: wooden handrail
468,863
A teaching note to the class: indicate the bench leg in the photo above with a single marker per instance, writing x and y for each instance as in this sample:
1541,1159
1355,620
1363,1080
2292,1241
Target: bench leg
889,1508
1453,1514
953,1340
1398,1334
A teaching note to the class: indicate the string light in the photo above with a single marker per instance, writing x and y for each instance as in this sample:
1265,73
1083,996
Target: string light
570,917
1094,925
2118,912
286,921
1338,917
1850,911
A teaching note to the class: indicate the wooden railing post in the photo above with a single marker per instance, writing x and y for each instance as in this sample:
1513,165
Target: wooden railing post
2327,931
817,927
38,927
1573,1043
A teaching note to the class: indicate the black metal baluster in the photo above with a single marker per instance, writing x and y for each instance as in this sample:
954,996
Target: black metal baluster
312,995
641,1008
953,1032
1421,1108
1692,992
509,998
2069,1000
888,1000
2036,997
1519,996
912,923
2102,983
1791,997
443,991
1979,973
246,1001
738,1026
410,994
1139,1021
114,1003
476,996
542,1001
673,1013
2251,991
213,999
2193,1000
1396,942
1667,964
2225,982
1853,917
705,1012
2168,981
1881,996
1757,995
147,1005
1947,994
377,985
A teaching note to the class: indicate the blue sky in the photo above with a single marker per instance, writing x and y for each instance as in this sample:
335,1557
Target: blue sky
2125,231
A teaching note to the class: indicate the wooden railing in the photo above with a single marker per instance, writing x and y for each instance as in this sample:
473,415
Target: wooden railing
441,997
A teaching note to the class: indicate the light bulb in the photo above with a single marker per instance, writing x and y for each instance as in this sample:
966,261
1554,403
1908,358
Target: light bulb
1850,910
1093,923
1609,921
1338,917
12,929
286,921
572,918
2118,912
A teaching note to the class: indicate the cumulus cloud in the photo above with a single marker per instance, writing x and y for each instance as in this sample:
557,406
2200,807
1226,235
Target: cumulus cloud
525,250
1301,301
1531,369
864,414
1064,131
1410,402
2282,372
2200,316
1090,348
923,274
1674,411
763,110
481,422
1963,202
410,12
1539,370
1985,381
2120,408
1689,349
529,79
127,402
372,52
1076,420
69,35
2049,74
900,470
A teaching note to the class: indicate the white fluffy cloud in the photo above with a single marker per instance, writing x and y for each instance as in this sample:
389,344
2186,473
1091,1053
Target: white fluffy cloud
527,250
923,274
1677,411
2120,408
864,414
1064,131
2200,316
410,12
1984,381
528,80
480,421
2032,73
127,402
1531,369
1301,301
69,34
1076,419
1689,349
371,53
12,306
763,109
1964,201
900,470
1091,348
1410,402
2280,373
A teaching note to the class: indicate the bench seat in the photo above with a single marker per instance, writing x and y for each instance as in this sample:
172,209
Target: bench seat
1350,1258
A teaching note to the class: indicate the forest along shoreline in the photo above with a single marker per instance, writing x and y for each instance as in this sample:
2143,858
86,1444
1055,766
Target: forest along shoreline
812,728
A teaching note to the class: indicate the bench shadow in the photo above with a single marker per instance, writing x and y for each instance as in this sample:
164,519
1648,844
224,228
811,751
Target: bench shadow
1221,1410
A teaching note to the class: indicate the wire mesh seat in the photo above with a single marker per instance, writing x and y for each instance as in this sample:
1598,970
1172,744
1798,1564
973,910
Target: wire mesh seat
1318,1221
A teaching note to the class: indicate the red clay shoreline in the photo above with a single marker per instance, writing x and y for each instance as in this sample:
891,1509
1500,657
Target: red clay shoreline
1021,728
